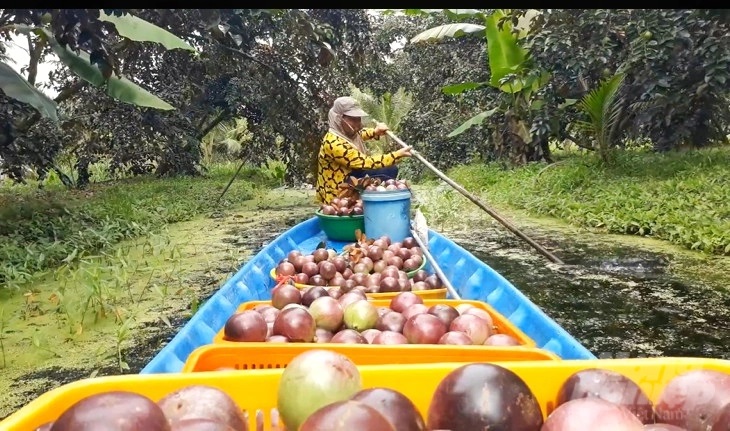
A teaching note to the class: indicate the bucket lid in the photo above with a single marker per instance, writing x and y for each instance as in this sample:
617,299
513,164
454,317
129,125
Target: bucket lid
388,195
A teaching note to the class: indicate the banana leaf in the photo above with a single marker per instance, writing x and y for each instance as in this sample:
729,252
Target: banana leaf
506,56
119,88
137,29
14,85
448,30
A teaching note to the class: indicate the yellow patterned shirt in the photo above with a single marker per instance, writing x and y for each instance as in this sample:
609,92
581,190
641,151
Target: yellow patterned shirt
337,158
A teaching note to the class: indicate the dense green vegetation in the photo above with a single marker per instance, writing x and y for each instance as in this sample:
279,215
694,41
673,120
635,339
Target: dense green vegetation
498,84
40,229
494,94
678,197
682,198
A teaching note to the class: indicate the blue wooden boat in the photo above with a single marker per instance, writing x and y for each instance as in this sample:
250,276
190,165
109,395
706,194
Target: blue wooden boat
472,278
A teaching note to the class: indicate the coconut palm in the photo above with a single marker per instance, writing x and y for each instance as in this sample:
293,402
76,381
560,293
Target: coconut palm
389,108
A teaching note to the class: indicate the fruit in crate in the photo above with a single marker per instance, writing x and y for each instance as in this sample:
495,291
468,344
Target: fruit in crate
484,397
313,380
695,400
609,386
594,414
246,326
348,202
346,416
394,406
118,410
199,425
202,402
353,319
375,265
320,386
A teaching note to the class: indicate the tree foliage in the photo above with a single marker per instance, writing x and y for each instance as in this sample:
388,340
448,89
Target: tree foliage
676,62
277,68
280,69
422,70
674,91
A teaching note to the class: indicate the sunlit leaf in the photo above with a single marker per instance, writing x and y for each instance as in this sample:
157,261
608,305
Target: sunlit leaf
127,91
121,89
137,29
165,320
463,13
516,85
568,102
505,54
79,65
448,30
525,21
462,87
473,121
17,87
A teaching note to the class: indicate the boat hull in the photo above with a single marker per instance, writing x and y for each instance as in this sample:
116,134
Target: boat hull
472,278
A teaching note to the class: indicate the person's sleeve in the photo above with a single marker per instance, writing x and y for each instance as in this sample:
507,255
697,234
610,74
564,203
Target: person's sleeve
367,133
346,155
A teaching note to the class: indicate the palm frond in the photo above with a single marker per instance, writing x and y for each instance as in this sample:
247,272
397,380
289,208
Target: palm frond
603,109
402,103
390,108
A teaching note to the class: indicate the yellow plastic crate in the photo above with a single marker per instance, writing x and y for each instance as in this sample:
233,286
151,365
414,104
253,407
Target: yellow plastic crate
416,381
502,324
252,356
425,294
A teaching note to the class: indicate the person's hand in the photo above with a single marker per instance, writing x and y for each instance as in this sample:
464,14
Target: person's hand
403,152
380,128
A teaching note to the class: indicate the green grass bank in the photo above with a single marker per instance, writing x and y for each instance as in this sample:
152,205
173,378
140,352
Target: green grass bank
41,229
682,198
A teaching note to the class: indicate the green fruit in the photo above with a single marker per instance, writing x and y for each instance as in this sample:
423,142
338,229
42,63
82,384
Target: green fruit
312,380
360,315
647,35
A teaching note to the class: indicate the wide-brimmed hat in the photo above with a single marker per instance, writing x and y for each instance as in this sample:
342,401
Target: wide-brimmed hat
350,107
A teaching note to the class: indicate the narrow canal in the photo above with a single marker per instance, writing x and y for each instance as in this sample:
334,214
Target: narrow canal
617,301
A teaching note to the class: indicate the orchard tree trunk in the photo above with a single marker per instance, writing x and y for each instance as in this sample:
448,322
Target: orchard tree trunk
181,159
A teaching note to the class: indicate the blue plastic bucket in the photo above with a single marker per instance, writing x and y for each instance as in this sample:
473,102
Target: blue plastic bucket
387,213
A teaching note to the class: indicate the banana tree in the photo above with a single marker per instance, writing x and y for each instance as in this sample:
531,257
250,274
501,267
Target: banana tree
118,87
518,132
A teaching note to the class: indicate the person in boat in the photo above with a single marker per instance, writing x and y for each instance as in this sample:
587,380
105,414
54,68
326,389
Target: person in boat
343,152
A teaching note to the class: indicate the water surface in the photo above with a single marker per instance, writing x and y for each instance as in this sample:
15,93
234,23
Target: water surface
617,301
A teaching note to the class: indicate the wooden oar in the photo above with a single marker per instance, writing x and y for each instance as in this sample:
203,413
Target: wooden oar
419,231
474,199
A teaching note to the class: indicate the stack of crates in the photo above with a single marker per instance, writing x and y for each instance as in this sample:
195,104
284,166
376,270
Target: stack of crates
250,372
